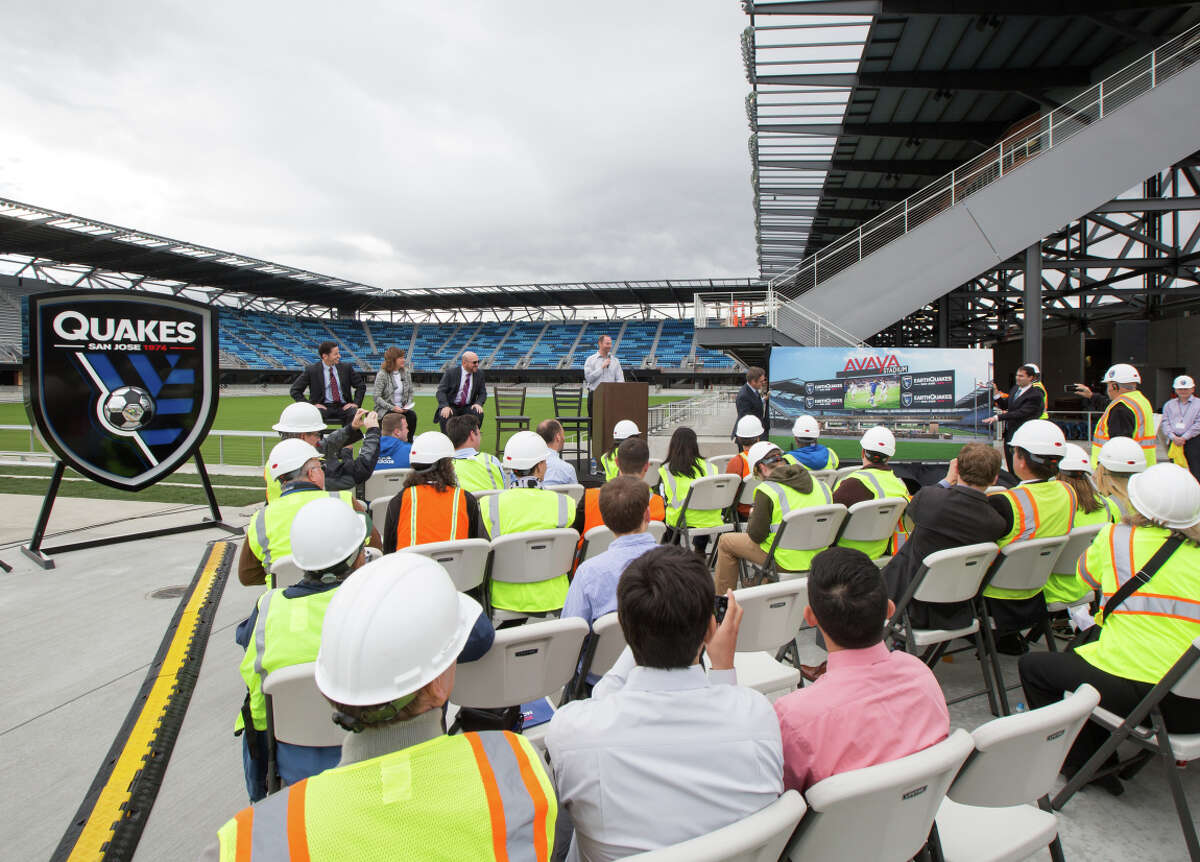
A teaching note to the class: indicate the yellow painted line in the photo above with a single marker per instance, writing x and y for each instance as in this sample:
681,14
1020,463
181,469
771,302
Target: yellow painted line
110,803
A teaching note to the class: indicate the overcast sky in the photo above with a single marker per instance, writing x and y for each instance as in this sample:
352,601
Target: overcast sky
399,144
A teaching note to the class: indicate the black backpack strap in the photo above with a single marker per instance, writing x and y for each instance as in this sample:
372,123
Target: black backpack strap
1143,575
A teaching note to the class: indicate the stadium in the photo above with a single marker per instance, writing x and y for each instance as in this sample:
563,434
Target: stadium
1009,184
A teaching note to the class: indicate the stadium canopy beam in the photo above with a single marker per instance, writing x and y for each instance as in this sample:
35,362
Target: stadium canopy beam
980,133
971,8
897,167
832,192
1011,80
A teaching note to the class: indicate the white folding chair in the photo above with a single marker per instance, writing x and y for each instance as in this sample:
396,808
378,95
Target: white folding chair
600,652
718,461
652,468
829,477
385,482
706,494
486,492
297,713
996,489
465,560
284,571
873,520
760,837
1078,541
575,492
997,809
843,472
526,663
379,507
658,530
813,528
772,615
526,558
1182,680
883,813
596,541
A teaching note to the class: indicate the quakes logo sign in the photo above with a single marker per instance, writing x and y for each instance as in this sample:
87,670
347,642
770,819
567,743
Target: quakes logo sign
122,387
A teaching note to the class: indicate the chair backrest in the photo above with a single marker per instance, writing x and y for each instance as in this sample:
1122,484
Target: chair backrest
598,539
574,491
486,492
749,486
1078,541
525,558
379,508
370,554
898,799
811,528
955,574
568,399
652,469
772,614
758,838
829,477
384,483
285,571
714,492
1026,565
465,560
300,713
996,489
874,520
509,400
718,461
1188,685
610,645
1017,757
657,529
842,472
525,663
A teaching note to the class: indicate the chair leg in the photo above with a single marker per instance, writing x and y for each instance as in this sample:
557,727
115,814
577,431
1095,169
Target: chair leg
1177,793
989,643
1049,629
1089,769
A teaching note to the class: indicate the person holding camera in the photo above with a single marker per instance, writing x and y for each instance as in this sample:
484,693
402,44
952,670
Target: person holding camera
1027,402
1127,413
343,471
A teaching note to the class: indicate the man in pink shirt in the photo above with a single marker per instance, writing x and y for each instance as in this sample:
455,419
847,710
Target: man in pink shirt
872,705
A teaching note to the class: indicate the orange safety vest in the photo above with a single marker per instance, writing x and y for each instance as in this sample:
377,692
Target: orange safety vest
443,516
592,517
739,465
1143,427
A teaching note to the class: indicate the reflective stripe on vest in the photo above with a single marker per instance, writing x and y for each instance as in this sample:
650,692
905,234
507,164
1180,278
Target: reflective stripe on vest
1045,400
288,505
1120,504
1122,557
517,806
677,490
433,523
260,637
492,504
780,495
1143,425
785,504
483,472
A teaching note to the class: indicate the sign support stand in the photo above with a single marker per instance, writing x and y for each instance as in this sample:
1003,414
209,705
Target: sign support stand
40,555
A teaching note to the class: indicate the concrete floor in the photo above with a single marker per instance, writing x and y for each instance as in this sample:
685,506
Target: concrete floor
79,638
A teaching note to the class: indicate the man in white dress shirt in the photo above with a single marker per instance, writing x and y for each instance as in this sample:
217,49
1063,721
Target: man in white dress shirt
558,471
663,752
601,367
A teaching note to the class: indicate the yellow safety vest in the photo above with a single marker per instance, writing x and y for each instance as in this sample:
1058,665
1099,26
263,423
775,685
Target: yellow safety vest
881,483
608,461
478,472
1040,510
1065,586
784,499
1045,400
675,490
480,796
523,510
1143,427
1152,628
269,532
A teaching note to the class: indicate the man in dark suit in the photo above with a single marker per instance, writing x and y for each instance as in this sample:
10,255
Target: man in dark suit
752,397
337,388
1027,402
461,390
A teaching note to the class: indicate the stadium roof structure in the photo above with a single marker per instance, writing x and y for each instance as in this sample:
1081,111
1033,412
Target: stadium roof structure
856,104
72,250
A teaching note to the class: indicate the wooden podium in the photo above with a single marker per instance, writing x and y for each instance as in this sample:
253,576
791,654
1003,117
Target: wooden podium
612,403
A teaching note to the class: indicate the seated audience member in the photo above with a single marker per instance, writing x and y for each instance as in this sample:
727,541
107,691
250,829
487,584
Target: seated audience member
394,447
622,431
331,385
748,431
525,507
296,467
1118,459
625,508
394,389
558,471
1147,633
1075,470
873,705
1037,508
661,752
945,516
389,643
477,471
431,507
633,459
303,421
682,467
285,629
807,450
873,482
784,488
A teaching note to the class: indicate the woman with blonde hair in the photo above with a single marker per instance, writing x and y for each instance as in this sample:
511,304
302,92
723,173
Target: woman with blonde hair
394,389
1091,507
1119,459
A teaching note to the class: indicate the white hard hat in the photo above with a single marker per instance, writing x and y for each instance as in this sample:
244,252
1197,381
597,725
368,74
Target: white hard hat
300,417
1122,455
1167,494
624,429
758,451
749,426
430,447
525,450
289,455
879,439
806,427
326,532
1183,382
391,630
1036,369
1041,437
1122,373
1076,460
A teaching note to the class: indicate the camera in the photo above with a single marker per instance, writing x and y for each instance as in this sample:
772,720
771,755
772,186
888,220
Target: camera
720,606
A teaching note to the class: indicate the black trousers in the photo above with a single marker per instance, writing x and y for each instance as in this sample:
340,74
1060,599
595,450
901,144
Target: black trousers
1046,675
337,411
458,411
1191,451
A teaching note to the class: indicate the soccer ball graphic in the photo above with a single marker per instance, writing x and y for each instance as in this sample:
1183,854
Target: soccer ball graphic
129,408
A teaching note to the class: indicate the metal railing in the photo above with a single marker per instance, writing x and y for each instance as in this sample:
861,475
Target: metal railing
664,417
220,448
1038,136
759,308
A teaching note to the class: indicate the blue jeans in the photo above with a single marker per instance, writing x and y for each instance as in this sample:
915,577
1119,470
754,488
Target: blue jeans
294,762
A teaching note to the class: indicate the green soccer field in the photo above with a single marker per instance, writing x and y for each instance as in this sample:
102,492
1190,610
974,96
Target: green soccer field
861,400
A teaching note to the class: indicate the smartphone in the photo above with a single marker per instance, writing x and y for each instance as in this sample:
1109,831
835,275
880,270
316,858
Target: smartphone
720,606
1069,388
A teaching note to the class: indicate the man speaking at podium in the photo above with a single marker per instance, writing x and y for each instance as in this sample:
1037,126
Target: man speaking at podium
601,367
